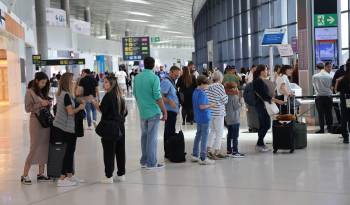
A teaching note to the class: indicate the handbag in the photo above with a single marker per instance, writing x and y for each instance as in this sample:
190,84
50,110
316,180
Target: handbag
45,118
271,108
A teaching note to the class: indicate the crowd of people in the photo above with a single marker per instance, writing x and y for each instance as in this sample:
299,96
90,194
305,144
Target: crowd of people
212,100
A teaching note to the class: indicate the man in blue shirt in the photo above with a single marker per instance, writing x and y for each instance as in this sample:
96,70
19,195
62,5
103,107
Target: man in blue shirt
169,94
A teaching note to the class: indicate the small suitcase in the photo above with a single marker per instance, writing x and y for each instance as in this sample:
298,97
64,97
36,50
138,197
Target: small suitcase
283,135
56,154
175,146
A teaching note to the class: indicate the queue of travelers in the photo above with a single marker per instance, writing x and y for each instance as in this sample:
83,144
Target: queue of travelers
211,101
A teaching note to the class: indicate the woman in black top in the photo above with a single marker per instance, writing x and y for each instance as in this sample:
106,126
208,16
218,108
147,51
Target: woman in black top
186,85
262,94
343,86
114,111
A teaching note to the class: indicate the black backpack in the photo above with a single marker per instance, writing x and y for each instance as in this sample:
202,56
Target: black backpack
175,145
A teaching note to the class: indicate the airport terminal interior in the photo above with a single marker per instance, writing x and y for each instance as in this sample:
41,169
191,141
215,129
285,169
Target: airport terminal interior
257,90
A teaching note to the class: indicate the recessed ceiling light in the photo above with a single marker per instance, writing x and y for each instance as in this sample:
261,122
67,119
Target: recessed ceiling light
138,13
175,32
136,20
138,1
157,26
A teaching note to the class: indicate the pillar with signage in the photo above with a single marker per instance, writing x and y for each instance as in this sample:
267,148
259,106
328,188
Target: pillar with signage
326,32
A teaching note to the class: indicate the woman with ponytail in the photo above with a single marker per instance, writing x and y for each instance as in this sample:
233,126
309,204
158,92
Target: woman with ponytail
112,129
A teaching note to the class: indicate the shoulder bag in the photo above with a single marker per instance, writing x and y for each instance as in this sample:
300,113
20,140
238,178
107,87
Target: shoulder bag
271,108
44,116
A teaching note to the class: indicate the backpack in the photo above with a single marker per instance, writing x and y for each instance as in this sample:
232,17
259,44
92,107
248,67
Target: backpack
176,147
249,95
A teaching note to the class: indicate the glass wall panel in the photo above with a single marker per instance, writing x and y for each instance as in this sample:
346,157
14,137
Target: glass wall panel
345,30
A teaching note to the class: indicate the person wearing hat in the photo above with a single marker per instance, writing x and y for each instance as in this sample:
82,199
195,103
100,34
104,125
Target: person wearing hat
322,83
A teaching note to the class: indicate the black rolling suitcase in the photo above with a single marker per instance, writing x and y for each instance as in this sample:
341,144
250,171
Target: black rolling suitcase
175,146
283,135
289,135
57,150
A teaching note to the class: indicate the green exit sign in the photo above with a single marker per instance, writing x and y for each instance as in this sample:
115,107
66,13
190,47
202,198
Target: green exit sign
155,39
325,20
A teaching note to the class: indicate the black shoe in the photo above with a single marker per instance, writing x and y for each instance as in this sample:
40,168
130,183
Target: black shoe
42,178
183,123
346,140
320,132
26,180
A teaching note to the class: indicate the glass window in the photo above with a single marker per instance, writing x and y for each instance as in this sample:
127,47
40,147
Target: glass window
344,5
345,55
345,30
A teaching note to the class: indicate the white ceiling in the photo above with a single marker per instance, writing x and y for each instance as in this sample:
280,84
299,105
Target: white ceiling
171,20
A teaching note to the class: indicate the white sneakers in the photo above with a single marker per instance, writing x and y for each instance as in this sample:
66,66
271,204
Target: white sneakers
66,183
110,180
106,180
120,178
207,161
262,149
76,179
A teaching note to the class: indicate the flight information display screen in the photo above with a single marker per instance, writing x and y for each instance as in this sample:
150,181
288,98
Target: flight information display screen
136,48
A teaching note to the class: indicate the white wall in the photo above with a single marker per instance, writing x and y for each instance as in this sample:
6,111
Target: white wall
169,56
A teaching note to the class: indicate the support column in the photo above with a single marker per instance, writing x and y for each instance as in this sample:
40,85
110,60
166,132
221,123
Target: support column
65,6
87,14
41,31
108,30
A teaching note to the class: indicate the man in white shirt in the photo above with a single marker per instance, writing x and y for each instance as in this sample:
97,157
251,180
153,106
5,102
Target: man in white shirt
322,83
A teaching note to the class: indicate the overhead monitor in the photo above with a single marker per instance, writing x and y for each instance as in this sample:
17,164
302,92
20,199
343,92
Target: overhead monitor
274,37
136,48
325,34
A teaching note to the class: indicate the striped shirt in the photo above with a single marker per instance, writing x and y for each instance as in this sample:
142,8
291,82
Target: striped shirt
216,94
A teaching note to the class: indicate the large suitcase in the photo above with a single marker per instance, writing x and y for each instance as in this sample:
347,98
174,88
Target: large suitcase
252,118
175,146
283,135
57,151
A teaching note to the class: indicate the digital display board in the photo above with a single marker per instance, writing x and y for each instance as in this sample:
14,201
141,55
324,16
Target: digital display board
136,48
273,37
58,62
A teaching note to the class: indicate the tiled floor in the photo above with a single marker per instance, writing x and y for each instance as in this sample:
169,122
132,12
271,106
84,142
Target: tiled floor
317,175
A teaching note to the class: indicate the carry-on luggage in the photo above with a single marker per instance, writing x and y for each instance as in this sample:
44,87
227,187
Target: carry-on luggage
289,134
175,146
56,154
57,150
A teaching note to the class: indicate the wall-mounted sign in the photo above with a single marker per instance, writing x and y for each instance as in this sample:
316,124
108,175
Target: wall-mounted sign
274,37
36,59
325,20
56,17
136,48
324,34
294,43
285,50
81,27
155,39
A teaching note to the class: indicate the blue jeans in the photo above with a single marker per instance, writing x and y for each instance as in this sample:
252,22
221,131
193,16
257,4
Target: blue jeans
149,138
201,137
90,108
232,138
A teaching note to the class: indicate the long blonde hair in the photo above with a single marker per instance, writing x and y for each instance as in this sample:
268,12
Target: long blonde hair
65,84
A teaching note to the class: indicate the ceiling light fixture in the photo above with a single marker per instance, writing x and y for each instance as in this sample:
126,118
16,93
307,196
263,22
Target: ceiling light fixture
138,13
175,32
136,20
137,1
189,37
157,26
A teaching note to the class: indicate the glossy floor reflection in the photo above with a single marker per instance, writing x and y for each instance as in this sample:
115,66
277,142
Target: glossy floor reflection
315,176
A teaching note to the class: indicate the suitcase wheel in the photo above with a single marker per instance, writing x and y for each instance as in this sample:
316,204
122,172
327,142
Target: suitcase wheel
291,151
275,151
